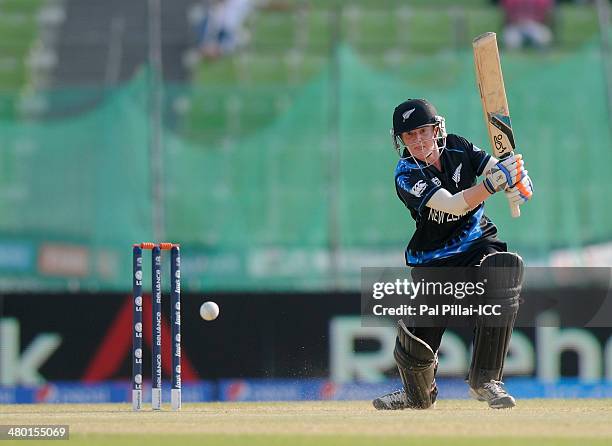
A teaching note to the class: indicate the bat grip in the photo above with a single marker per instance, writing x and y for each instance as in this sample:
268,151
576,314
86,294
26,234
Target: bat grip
515,210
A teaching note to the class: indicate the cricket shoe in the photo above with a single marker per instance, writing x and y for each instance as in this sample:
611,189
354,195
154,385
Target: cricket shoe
494,394
397,400
391,401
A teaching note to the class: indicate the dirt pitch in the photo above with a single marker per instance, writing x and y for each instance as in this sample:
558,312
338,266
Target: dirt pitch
533,422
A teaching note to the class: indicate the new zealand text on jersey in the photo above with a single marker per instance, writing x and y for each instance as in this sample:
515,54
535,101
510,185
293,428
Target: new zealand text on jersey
441,217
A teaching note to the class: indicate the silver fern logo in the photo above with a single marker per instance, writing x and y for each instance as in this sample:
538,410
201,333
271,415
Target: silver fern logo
407,114
457,175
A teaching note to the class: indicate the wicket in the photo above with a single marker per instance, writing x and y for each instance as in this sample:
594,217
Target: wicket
156,325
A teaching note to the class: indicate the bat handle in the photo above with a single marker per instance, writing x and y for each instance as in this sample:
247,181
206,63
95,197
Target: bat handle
515,210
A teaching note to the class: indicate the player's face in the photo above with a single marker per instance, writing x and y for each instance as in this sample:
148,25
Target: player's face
421,143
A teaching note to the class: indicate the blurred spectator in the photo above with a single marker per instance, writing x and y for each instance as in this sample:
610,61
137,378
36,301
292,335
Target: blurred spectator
221,29
527,23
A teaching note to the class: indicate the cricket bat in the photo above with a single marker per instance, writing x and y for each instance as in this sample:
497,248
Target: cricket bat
493,97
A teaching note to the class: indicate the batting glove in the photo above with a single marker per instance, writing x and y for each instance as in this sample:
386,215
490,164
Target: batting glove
506,173
521,192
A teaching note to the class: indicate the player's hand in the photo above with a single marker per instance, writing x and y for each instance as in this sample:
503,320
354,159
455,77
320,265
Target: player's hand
506,173
521,192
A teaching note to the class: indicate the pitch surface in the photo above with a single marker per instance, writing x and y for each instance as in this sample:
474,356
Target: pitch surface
532,422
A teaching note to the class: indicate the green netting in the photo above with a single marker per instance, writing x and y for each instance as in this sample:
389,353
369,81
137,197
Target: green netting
81,178
274,180
562,126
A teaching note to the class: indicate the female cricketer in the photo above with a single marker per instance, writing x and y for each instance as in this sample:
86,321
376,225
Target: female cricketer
436,179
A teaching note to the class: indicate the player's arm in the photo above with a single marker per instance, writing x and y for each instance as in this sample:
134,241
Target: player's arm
500,175
459,203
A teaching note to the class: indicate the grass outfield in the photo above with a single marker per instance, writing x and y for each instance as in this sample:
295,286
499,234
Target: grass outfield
469,423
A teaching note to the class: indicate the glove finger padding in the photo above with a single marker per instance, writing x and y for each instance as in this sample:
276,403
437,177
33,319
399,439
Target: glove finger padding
525,187
513,172
522,192
502,176
511,161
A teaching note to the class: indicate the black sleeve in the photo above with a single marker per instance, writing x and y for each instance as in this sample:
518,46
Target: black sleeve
415,189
